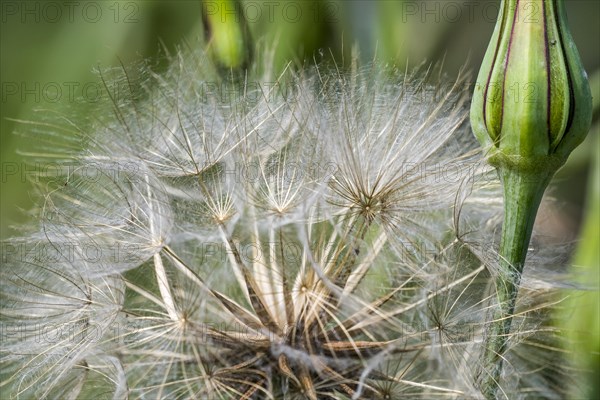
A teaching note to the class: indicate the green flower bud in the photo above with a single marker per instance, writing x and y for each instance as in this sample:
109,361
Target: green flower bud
532,99
531,108
227,32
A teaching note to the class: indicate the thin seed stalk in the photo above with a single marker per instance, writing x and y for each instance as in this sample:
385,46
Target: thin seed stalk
523,193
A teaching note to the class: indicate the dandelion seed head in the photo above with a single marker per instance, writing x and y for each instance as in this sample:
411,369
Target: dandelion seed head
277,246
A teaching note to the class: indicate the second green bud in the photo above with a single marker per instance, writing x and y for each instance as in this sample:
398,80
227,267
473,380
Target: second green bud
227,32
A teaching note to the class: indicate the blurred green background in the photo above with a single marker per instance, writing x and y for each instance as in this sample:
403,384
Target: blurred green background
49,50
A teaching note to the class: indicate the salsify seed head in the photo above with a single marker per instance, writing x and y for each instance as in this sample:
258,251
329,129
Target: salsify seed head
311,235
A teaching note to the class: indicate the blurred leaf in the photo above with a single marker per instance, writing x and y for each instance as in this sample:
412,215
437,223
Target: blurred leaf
584,324
48,64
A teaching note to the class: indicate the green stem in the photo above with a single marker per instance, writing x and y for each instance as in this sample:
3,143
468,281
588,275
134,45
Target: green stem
523,193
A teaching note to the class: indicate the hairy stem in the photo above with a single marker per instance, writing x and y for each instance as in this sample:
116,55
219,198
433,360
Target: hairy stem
523,193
